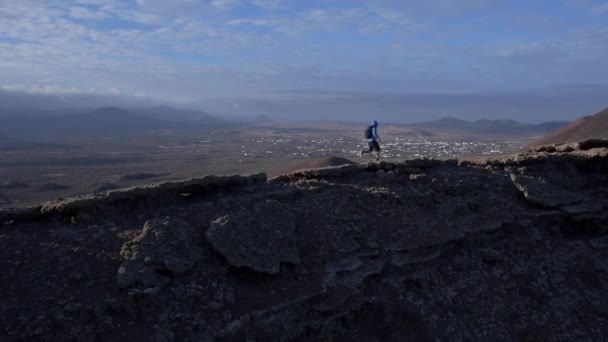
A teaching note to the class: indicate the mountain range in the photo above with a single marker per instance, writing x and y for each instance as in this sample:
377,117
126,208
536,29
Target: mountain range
499,127
104,121
114,120
168,113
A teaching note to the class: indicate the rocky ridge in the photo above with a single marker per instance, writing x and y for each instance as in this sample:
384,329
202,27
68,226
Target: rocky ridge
505,249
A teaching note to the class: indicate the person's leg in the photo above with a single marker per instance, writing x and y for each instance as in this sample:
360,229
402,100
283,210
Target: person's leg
369,150
376,147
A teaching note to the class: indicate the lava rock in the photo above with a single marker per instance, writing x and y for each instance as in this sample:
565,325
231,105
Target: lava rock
164,249
260,238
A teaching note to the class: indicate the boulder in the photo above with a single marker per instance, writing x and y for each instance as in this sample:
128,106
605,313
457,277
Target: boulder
259,238
165,248
592,143
539,192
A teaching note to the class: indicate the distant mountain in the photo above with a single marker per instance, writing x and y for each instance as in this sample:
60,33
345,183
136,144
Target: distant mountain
587,127
169,113
262,119
114,118
550,126
41,112
499,127
102,121
446,122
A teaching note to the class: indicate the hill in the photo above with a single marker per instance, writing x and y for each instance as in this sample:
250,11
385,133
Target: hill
168,113
102,121
502,249
588,127
111,119
487,127
262,119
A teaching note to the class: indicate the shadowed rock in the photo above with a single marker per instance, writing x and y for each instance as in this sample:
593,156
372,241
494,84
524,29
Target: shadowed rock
51,187
107,187
141,176
592,143
14,185
538,191
314,164
260,238
157,191
4,200
165,248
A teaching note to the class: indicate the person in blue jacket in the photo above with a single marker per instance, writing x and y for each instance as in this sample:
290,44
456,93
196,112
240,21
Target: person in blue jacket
371,134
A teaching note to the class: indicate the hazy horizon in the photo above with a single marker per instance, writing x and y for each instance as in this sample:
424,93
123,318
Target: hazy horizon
403,62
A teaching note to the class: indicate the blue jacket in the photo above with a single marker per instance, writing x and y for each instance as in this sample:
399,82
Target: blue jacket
375,136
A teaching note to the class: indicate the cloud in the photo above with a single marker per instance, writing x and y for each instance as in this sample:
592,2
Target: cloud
50,89
190,50
306,22
85,13
97,2
526,105
270,4
224,4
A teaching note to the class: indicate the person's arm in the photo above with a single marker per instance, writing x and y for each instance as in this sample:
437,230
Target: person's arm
375,133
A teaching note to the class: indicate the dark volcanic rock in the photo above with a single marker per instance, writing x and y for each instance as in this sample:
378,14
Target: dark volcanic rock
50,187
4,200
14,185
141,176
497,250
107,187
260,238
592,143
314,164
538,191
153,192
165,248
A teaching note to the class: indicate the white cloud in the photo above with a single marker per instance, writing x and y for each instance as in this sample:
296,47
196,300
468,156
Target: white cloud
270,4
224,4
312,20
53,89
191,49
85,13
97,2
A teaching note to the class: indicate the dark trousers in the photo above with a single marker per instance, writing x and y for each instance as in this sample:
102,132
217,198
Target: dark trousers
373,146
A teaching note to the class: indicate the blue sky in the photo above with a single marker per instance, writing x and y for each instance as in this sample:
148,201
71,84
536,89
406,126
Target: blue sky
531,61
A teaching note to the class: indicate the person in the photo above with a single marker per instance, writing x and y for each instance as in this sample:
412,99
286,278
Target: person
371,134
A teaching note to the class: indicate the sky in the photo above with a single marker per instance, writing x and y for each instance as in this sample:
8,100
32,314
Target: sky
336,59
